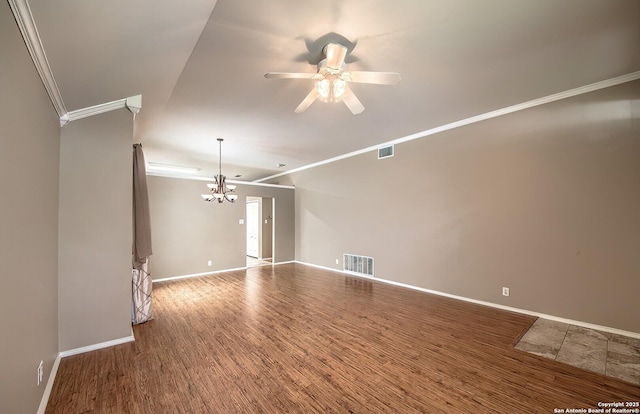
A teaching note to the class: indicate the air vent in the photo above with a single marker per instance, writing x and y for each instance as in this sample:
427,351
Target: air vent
361,265
385,152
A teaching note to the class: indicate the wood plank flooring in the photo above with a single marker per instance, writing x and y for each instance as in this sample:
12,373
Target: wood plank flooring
297,339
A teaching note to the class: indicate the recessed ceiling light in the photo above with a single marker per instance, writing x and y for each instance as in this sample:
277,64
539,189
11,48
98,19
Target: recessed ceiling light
158,167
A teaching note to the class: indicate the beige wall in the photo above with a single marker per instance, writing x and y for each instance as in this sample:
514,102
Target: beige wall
95,230
188,232
29,154
545,201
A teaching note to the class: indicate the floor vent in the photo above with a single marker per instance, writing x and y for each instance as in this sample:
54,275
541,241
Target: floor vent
385,152
361,265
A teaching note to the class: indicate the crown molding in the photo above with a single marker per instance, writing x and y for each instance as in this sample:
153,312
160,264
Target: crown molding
132,103
92,110
27,25
236,182
29,31
629,77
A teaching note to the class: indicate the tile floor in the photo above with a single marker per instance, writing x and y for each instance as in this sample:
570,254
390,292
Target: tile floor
605,353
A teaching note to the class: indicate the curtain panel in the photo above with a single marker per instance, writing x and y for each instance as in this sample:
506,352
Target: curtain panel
142,285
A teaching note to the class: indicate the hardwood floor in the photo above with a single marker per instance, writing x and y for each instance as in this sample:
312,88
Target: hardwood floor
293,338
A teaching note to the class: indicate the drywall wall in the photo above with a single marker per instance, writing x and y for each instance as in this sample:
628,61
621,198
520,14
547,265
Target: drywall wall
29,157
188,232
544,201
95,230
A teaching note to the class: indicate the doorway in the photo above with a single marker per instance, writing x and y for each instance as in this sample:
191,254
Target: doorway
260,230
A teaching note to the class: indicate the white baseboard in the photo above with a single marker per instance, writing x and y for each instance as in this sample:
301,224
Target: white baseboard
54,370
490,304
95,347
47,390
167,279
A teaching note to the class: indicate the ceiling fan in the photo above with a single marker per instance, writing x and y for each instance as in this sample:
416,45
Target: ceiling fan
332,80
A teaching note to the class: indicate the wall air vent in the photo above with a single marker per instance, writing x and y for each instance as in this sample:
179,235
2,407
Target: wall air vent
385,152
360,265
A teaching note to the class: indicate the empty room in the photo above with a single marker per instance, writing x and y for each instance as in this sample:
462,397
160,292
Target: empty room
356,206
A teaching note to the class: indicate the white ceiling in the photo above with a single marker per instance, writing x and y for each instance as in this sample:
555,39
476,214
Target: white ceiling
199,65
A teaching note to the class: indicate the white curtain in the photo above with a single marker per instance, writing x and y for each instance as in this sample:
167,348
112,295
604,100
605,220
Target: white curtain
142,295
142,285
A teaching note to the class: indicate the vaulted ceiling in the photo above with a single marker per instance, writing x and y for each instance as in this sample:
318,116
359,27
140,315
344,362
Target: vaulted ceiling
200,66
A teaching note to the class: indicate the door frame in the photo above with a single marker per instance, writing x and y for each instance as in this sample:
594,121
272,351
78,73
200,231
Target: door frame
270,219
258,220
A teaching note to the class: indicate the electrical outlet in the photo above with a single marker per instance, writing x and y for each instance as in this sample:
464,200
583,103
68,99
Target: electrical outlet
40,373
209,263
505,291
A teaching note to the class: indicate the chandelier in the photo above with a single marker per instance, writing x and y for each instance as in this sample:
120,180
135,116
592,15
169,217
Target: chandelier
219,188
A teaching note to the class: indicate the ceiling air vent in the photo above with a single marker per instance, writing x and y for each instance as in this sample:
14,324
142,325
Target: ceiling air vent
360,265
385,152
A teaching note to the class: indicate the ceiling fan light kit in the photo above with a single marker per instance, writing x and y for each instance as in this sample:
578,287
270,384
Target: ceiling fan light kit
331,89
332,80
220,190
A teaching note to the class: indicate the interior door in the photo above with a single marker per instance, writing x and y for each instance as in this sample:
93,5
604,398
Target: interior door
253,228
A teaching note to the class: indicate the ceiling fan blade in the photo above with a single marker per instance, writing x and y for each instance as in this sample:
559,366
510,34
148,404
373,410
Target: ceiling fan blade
289,75
335,55
307,101
379,78
352,102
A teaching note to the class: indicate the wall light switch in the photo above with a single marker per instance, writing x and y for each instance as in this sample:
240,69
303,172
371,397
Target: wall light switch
241,221
209,263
